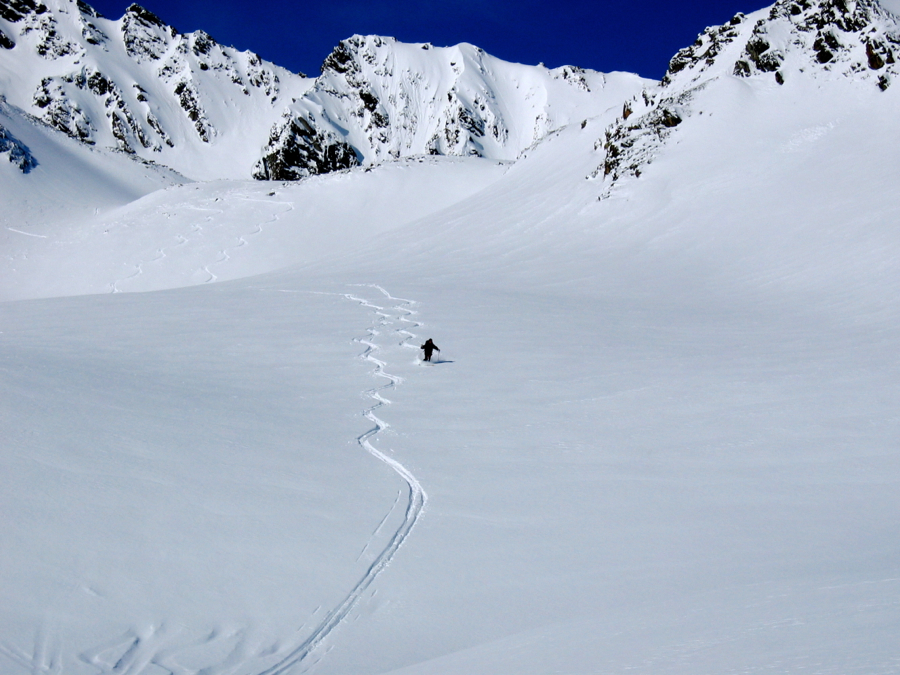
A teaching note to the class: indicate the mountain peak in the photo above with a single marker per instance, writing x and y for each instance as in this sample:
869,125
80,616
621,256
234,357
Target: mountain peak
145,15
345,56
855,38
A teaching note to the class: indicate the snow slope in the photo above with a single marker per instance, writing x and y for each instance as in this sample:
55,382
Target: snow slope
661,437
198,233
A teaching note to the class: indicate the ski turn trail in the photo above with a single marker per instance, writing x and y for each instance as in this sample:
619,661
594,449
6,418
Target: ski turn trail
417,497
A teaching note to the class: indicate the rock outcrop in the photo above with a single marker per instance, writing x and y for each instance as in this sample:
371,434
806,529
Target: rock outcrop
16,152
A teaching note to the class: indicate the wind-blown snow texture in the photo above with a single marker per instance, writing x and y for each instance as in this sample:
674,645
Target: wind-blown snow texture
661,437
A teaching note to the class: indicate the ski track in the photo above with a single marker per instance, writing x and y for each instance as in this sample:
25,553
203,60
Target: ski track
416,494
223,255
151,648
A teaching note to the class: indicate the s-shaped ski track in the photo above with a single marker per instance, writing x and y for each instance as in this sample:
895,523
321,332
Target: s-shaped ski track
416,494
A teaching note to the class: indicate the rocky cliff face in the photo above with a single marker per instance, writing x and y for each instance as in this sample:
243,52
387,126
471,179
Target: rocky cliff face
823,39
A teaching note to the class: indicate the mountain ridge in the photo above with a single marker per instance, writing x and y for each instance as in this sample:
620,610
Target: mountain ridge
138,86
791,39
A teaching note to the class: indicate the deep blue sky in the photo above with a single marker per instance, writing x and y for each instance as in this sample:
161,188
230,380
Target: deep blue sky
639,36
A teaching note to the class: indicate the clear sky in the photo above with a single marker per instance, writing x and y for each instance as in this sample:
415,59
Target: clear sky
638,36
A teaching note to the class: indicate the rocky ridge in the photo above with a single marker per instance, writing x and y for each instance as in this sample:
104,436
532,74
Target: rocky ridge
855,39
112,84
138,86
377,100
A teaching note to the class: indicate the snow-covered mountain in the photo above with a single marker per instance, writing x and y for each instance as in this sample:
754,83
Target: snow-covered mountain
661,437
819,40
378,99
138,86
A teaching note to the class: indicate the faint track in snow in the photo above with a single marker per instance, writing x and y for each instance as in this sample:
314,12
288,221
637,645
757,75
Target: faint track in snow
241,241
417,498
197,230
46,659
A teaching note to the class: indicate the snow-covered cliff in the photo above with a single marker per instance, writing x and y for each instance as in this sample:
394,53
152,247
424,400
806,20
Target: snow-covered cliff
138,86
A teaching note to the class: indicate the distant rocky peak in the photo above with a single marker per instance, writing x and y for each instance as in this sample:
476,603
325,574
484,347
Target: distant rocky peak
350,53
145,36
703,53
136,13
854,38
88,11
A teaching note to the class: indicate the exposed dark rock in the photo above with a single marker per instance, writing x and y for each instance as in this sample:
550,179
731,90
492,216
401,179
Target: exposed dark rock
705,49
16,10
341,58
297,150
157,127
190,103
145,35
99,84
65,115
669,118
87,10
61,112
756,47
474,125
203,43
574,76
6,42
92,34
16,151
368,99
630,145
51,44
823,54
876,60
742,68
261,77
144,15
759,55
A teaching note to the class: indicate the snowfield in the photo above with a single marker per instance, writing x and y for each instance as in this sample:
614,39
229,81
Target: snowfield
661,436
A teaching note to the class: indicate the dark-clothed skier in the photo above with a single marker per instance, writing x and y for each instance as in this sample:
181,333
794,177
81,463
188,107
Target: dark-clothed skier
429,347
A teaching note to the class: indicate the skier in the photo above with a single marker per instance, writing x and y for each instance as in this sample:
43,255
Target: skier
429,347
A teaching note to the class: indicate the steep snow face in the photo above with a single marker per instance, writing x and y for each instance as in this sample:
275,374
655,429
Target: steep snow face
138,86
378,99
791,40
